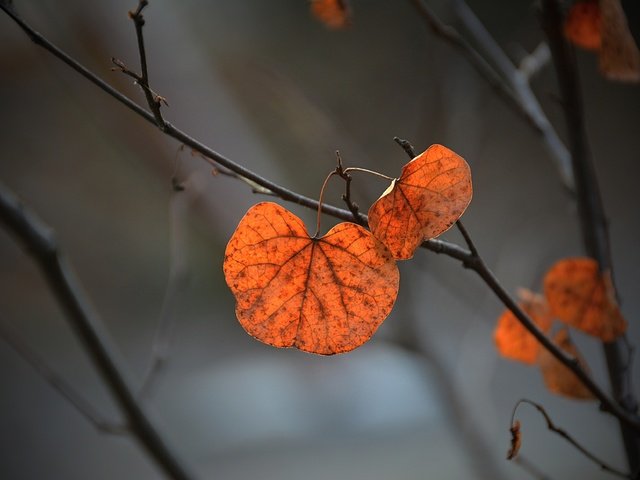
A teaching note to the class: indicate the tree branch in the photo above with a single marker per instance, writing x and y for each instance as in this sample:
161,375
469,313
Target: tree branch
591,214
39,241
564,434
58,383
511,84
469,260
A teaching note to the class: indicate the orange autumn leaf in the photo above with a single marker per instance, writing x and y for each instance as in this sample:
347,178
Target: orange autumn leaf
557,377
512,340
333,14
582,25
619,57
322,295
580,296
432,192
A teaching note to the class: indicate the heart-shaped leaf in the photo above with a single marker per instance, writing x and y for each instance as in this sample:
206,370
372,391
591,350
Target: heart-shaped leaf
432,192
322,295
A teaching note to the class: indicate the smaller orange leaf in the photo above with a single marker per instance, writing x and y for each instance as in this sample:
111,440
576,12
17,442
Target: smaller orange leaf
557,377
619,57
582,25
512,340
580,296
516,440
334,14
432,193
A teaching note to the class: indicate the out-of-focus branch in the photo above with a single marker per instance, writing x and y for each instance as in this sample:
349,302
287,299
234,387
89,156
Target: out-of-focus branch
57,382
39,241
509,82
591,213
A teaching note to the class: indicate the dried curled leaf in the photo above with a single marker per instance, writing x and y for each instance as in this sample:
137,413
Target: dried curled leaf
580,296
619,57
431,194
516,440
333,14
512,340
557,377
322,295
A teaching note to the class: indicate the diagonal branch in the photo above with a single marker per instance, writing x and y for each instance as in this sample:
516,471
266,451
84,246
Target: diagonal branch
469,260
58,383
508,82
564,434
591,212
39,241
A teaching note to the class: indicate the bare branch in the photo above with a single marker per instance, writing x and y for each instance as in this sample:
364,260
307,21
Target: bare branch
58,383
511,84
518,81
153,100
591,213
39,241
346,196
564,434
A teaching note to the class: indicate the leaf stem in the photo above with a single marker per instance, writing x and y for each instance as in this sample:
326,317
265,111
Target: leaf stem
370,172
319,216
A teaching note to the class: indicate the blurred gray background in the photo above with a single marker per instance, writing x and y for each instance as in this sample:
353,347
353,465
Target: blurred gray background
268,86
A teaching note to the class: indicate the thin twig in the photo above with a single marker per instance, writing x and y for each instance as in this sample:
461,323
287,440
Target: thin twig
406,146
178,277
564,434
155,101
467,239
434,245
591,213
39,241
82,406
346,196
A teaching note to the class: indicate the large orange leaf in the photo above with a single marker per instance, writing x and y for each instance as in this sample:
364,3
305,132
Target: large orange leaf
322,295
557,377
582,25
432,192
579,295
512,339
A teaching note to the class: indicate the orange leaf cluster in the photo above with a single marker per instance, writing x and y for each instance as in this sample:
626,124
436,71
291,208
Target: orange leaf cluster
432,193
601,25
334,14
329,295
578,295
